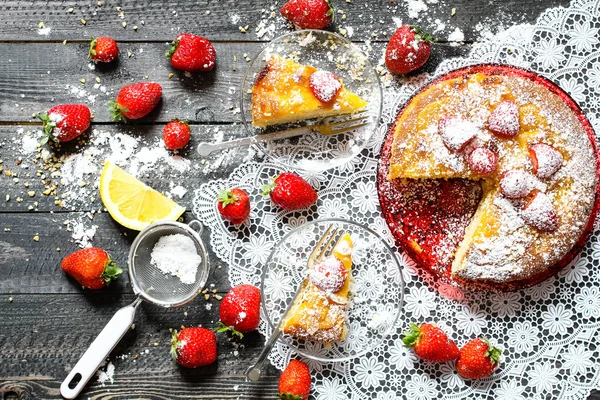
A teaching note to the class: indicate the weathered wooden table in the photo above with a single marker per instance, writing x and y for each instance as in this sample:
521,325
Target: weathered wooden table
46,320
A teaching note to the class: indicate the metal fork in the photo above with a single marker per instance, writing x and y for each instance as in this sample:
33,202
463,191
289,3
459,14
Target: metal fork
325,126
253,373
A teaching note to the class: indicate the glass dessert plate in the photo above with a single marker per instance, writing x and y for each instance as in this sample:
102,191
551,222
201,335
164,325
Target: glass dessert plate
376,293
314,152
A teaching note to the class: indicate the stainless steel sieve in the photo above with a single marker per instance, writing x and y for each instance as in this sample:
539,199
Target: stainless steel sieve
150,284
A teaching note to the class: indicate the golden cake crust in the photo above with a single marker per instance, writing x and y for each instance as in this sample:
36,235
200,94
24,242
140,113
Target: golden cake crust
498,245
282,94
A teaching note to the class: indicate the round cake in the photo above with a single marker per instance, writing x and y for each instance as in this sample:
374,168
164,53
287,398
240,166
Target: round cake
489,178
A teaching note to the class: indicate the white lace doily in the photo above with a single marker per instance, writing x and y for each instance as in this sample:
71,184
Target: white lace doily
549,333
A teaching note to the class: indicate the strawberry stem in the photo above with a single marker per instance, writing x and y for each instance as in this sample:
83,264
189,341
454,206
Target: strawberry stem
493,353
111,272
116,111
221,327
331,12
225,197
422,35
92,48
290,396
268,188
172,49
49,126
412,335
174,344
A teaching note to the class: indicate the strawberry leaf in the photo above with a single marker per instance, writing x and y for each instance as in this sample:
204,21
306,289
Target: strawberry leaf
111,272
290,396
421,35
116,111
331,12
174,344
172,49
412,335
221,327
225,197
493,353
92,48
49,126
268,188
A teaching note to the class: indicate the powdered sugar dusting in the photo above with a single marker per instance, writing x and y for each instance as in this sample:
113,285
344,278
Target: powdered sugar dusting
176,255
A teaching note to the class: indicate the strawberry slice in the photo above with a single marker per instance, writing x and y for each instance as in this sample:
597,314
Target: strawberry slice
504,120
539,212
329,275
516,184
546,160
324,85
456,132
482,161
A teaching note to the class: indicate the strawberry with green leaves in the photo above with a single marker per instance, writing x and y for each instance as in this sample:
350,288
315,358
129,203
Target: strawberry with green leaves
192,53
233,205
135,101
478,359
290,192
92,268
65,122
103,49
294,382
430,343
308,14
408,49
194,347
240,310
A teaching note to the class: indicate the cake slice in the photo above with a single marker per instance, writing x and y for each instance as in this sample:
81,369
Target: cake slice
286,91
319,313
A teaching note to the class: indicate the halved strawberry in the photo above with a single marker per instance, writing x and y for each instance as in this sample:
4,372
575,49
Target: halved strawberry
516,184
504,120
456,132
545,159
539,212
482,161
324,85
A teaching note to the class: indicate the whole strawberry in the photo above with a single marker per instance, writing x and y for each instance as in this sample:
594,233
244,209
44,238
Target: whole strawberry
91,267
408,49
294,382
176,134
478,359
192,53
290,192
240,310
308,14
234,205
430,343
103,49
135,101
194,347
65,122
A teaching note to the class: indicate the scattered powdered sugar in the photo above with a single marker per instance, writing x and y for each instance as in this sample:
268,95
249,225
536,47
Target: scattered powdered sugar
44,31
415,7
456,36
178,191
457,132
82,234
177,255
234,18
29,142
108,375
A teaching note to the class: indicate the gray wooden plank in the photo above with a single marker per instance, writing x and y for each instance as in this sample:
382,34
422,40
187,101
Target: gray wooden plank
36,76
221,19
43,336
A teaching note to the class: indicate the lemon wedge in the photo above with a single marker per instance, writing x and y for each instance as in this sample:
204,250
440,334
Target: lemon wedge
132,203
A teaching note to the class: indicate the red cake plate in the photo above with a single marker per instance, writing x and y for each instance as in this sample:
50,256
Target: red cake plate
435,213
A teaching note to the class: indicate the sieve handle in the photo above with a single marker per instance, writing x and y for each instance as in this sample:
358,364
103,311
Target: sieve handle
100,348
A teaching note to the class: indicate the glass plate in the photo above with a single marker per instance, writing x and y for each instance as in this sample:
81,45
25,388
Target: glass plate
331,52
376,292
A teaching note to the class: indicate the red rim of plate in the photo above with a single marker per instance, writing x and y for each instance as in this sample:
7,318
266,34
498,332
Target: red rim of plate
452,288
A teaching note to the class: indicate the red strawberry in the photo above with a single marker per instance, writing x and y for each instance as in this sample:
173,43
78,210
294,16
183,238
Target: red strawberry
308,14
430,343
234,205
192,53
176,134
91,267
135,101
539,212
290,192
408,49
516,184
294,382
240,310
504,120
478,359
324,85
329,275
456,132
546,160
65,122
194,347
482,161
103,49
